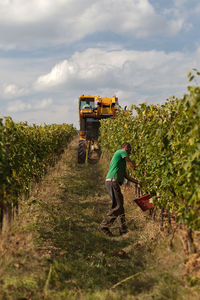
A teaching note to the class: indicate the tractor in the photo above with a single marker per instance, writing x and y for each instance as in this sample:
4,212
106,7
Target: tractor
92,109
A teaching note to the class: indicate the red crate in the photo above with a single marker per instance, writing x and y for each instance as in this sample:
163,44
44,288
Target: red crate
143,202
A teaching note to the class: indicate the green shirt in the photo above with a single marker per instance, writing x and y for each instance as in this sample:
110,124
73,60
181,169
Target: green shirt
117,168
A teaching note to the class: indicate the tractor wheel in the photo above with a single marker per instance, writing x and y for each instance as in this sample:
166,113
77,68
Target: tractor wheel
81,152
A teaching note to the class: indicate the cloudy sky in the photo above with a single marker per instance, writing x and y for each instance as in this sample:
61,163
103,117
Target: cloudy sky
52,51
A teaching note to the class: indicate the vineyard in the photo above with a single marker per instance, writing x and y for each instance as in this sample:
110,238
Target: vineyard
25,153
54,249
165,141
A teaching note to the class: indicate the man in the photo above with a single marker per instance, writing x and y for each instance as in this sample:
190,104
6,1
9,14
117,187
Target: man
115,178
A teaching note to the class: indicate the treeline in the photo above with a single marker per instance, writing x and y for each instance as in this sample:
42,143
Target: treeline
25,153
165,142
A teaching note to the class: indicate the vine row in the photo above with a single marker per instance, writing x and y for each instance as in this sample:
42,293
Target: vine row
25,153
165,141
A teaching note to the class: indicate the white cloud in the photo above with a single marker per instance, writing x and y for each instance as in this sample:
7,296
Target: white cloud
58,75
133,76
56,113
120,68
43,104
22,11
13,91
196,10
23,106
43,22
17,106
105,72
180,3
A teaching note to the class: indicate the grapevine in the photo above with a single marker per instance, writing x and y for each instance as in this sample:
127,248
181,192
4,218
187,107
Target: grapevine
165,141
25,153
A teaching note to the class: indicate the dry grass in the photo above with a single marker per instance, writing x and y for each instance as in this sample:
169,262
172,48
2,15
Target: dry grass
54,250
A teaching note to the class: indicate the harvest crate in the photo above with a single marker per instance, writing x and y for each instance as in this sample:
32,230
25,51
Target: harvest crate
143,202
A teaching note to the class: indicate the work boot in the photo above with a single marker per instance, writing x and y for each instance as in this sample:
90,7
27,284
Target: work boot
105,230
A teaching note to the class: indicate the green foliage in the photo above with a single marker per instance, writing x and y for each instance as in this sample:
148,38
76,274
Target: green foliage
25,153
165,142
193,281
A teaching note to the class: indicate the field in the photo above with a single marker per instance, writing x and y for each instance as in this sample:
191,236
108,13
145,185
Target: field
55,251
51,208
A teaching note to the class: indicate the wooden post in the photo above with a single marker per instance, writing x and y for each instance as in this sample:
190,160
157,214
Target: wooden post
191,245
161,219
7,218
169,221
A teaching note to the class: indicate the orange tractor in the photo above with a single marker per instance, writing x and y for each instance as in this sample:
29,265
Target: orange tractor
92,109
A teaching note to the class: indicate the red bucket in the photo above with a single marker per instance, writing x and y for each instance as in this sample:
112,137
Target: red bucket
143,202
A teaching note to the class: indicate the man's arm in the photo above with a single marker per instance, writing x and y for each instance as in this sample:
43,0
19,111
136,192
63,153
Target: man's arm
130,163
131,179
133,166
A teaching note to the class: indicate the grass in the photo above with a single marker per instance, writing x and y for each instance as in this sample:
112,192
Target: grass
55,251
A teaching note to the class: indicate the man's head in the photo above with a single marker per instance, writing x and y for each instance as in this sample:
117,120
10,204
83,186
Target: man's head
127,147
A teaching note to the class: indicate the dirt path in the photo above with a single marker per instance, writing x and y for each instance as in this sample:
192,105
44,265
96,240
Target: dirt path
55,251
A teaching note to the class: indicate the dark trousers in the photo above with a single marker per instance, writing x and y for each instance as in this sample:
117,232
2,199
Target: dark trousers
117,209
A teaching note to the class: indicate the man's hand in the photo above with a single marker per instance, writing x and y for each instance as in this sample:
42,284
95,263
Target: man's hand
131,179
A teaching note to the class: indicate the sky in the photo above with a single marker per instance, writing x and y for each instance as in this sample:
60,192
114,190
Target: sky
53,51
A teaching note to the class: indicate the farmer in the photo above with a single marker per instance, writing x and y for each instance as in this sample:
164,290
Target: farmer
115,178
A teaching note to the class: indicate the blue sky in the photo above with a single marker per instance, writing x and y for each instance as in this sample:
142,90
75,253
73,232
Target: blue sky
52,51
